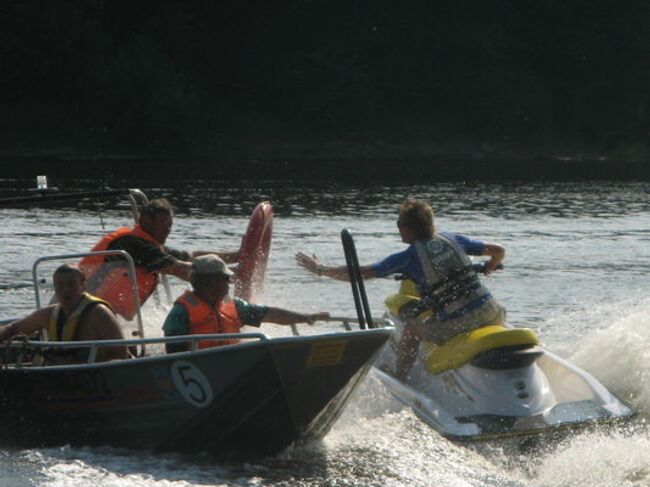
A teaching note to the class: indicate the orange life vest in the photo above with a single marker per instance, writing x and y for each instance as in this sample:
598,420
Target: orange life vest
114,285
222,318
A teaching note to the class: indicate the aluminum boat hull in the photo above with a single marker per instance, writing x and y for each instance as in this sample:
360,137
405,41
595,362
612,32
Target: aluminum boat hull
254,397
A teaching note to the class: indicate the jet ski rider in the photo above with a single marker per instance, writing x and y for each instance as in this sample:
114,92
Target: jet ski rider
438,264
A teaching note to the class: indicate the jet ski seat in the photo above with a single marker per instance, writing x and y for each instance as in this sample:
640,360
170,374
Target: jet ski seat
472,345
508,347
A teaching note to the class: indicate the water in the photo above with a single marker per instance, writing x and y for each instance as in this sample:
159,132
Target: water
576,269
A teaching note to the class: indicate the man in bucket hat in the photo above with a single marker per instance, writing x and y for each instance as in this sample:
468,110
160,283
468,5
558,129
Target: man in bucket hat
207,309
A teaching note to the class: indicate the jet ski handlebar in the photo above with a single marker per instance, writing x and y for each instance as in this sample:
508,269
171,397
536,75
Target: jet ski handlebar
481,266
478,267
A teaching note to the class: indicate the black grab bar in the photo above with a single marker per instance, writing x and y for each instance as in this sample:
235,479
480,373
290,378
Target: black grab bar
356,281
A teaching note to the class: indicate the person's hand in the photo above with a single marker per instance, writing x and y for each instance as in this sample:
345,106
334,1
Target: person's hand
317,317
491,266
311,263
6,333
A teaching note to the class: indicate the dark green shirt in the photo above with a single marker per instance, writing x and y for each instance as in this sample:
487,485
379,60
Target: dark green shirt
178,321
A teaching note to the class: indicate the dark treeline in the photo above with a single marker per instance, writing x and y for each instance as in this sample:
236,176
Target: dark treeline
319,79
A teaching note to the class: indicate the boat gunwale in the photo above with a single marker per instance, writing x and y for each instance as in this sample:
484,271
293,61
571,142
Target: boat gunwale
263,340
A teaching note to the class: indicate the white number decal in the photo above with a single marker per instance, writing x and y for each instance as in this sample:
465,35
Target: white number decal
191,383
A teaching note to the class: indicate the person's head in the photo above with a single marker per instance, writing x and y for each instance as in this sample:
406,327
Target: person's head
415,221
69,284
210,276
156,218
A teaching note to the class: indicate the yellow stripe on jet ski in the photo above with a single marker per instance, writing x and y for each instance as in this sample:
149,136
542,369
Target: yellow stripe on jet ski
464,347
408,292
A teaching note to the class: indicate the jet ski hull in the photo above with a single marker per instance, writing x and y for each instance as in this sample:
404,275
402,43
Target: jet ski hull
470,402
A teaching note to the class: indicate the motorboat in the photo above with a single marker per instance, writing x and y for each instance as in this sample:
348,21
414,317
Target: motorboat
494,381
257,396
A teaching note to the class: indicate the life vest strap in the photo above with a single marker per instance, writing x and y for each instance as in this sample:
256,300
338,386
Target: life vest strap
456,285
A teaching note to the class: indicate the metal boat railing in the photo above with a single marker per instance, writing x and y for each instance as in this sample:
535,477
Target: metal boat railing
22,344
346,321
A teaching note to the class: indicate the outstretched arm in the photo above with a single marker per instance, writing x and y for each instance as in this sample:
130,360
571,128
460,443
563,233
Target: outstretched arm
227,257
285,317
313,265
28,325
179,268
496,253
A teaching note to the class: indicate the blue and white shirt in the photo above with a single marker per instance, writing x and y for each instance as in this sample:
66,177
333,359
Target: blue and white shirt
408,263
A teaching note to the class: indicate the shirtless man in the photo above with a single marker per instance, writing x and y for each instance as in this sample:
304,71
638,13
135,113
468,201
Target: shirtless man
77,316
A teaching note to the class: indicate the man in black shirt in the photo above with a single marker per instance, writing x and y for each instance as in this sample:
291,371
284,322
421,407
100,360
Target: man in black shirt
144,242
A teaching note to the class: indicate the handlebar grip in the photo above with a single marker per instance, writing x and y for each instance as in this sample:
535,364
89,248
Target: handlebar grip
480,267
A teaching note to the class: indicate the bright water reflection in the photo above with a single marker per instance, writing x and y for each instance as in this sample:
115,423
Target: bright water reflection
576,271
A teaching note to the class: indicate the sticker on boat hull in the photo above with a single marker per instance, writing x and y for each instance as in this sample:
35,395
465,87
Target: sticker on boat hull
192,384
326,353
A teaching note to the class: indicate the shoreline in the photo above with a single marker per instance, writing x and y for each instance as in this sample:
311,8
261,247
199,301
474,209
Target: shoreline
432,168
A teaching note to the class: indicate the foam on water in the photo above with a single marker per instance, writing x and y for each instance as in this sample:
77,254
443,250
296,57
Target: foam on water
376,442
387,442
616,349
597,459
63,467
612,345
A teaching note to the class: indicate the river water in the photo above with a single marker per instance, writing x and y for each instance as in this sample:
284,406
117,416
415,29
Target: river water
576,271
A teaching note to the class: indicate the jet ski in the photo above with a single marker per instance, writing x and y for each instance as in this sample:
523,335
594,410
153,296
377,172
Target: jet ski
494,381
